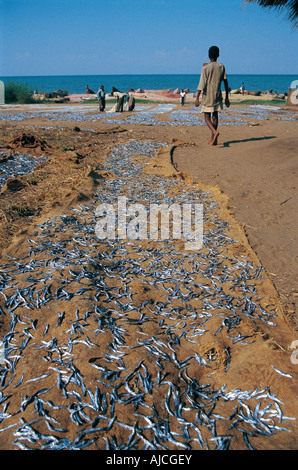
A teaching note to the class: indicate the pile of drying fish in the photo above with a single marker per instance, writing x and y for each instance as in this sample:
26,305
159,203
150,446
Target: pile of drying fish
151,115
113,344
13,164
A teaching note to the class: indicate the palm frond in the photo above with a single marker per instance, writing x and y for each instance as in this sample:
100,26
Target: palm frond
288,6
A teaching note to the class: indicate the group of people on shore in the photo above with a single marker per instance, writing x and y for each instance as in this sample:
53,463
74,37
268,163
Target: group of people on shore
124,101
212,75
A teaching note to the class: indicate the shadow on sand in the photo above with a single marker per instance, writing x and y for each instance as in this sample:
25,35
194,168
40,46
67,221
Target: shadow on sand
253,139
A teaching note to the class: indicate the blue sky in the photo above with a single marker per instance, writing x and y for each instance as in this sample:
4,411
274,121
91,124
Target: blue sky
81,37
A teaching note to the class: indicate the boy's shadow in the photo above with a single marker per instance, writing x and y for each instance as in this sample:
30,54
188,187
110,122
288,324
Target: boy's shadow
253,139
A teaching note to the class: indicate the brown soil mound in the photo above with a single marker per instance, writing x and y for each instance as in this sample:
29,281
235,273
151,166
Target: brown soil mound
27,141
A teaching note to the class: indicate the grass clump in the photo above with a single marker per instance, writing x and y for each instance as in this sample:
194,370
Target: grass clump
17,208
18,93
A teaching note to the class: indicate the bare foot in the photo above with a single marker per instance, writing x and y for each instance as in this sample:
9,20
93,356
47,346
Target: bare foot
214,142
214,139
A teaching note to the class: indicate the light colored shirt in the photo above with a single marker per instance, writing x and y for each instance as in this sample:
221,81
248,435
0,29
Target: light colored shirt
212,75
118,94
101,94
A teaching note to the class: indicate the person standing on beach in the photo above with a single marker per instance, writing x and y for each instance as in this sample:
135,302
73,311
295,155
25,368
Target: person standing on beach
101,95
213,73
182,97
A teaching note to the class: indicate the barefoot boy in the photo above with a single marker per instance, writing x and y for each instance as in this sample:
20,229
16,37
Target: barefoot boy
213,73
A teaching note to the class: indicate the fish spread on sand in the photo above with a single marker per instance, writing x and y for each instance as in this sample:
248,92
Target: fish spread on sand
138,330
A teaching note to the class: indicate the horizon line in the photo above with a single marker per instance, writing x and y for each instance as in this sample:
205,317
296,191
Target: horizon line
133,74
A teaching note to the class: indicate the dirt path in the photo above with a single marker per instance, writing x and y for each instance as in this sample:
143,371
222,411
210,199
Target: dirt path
256,167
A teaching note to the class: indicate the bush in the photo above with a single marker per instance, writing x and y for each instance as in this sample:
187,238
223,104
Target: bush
18,93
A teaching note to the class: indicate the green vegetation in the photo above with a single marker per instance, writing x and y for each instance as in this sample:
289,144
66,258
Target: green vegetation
261,102
18,93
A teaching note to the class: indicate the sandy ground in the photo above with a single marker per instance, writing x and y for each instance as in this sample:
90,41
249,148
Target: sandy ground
214,367
256,167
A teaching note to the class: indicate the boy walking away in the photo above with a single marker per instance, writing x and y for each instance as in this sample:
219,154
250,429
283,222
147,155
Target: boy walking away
213,73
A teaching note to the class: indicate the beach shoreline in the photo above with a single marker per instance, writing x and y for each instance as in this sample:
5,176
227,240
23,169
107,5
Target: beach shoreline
163,97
